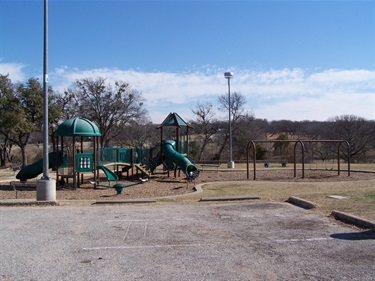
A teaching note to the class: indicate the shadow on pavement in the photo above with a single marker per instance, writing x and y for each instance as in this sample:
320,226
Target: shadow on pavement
366,235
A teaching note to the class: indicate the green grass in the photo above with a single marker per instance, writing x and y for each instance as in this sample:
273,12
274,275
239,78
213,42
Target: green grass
370,196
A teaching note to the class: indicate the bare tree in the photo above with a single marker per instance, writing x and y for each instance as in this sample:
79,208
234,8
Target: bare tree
204,125
111,107
237,103
359,132
283,127
247,128
67,104
139,133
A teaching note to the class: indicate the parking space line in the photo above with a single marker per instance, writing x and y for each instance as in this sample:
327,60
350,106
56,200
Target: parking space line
304,239
144,247
127,230
148,220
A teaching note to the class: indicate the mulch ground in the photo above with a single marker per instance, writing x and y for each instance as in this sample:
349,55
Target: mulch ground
160,185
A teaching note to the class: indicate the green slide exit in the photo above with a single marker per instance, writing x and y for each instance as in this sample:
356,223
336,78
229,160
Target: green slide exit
180,160
111,176
35,169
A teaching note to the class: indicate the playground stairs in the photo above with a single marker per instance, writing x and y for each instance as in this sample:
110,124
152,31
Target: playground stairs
143,169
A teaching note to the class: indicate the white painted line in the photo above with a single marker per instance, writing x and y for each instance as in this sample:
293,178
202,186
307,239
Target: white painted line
110,221
304,239
127,231
145,247
150,220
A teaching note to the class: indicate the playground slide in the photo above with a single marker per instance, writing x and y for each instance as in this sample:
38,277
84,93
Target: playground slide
111,176
35,169
180,160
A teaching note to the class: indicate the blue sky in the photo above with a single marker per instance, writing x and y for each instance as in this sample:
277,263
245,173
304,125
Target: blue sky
297,60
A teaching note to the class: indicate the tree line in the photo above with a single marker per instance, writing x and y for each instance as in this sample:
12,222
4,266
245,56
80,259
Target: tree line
119,112
212,136
111,107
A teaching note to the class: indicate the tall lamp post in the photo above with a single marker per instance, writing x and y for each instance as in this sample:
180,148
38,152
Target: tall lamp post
45,187
229,75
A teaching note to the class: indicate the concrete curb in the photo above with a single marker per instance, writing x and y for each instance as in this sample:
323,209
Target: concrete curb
29,203
130,201
301,203
346,218
229,198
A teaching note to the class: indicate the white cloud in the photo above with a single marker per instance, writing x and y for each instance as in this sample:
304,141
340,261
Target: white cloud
294,94
342,76
319,108
15,71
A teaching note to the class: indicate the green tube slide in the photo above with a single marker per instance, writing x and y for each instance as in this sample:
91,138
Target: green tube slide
35,169
180,160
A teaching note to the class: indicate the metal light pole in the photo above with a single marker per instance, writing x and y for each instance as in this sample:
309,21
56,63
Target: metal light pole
229,75
45,187
45,93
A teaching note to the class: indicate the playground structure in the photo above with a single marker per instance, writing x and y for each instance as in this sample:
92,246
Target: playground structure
251,146
73,160
175,154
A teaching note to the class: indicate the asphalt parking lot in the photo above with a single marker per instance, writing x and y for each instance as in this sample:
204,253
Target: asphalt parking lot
222,241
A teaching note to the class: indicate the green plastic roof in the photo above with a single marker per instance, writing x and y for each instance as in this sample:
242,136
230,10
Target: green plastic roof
173,119
78,127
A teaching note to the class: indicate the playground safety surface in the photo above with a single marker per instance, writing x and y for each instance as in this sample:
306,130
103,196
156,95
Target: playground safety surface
162,185
225,241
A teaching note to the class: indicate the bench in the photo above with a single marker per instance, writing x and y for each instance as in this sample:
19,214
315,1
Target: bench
210,165
283,163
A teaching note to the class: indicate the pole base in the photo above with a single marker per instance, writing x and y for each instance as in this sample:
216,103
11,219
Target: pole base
230,165
46,190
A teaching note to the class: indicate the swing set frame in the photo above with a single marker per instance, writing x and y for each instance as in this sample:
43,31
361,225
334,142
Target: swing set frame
251,146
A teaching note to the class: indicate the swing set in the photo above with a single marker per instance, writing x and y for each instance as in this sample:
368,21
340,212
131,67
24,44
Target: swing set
251,147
